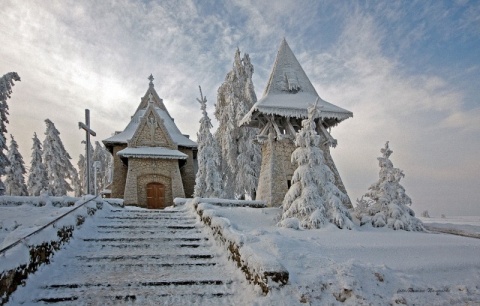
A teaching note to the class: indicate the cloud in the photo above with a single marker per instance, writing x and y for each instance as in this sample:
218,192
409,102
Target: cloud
421,115
378,61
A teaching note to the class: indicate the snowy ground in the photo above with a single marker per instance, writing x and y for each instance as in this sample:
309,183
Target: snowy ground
19,221
362,266
365,265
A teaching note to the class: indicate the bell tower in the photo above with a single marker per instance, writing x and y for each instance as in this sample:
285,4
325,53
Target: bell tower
278,115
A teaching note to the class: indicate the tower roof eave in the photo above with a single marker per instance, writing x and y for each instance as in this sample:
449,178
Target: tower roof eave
289,92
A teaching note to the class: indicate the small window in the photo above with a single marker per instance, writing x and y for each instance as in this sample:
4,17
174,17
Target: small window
289,183
194,154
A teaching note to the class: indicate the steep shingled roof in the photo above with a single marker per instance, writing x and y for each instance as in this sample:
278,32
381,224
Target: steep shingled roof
289,92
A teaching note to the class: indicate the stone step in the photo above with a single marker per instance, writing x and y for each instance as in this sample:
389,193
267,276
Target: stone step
202,292
135,257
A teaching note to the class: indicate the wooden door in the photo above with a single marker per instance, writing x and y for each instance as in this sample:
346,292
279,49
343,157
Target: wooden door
155,196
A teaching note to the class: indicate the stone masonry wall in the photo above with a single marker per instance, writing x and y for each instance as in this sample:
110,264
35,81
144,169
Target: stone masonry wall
119,173
276,171
147,170
188,172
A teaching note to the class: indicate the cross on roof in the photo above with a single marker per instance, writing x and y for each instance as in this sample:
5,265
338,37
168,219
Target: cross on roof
151,80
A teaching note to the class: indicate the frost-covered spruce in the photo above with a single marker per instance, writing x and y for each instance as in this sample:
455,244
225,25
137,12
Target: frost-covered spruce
57,162
102,155
77,183
313,200
81,173
208,182
15,180
6,83
37,177
240,155
386,203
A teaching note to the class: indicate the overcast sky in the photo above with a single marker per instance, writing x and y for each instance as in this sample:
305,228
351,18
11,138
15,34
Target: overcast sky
408,70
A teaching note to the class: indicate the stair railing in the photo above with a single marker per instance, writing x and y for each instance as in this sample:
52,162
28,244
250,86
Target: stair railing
8,247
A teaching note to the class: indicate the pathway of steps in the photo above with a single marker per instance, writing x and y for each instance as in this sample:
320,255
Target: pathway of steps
142,257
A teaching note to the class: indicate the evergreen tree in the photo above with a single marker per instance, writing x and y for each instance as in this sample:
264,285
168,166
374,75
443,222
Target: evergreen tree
57,162
208,179
15,181
313,199
82,173
6,83
240,155
37,178
77,184
103,156
386,202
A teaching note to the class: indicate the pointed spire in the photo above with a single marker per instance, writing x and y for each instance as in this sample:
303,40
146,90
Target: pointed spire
151,80
287,74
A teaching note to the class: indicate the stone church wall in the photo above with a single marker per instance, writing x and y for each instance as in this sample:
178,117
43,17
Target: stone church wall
119,173
146,170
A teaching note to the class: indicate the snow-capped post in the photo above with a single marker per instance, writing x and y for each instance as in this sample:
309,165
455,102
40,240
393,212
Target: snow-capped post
88,132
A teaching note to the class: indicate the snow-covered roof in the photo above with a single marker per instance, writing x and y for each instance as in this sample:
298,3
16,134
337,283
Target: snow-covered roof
289,92
173,131
152,152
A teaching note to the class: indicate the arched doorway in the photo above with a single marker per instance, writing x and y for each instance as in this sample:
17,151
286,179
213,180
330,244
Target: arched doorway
156,196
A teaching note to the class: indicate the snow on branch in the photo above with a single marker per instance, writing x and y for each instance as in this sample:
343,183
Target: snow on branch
386,203
313,200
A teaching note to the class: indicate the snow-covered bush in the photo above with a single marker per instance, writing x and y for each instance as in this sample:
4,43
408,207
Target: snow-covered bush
6,83
313,198
15,180
37,177
240,154
208,182
386,203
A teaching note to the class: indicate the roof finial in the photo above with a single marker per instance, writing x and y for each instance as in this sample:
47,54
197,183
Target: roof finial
151,80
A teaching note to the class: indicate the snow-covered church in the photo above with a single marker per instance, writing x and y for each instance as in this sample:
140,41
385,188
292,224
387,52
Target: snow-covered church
278,115
153,161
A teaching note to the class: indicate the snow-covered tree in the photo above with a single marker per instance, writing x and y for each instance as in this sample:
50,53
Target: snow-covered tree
37,177
101,155
81,173
313,199
240,155
77,183
15,180
57,162
83,170
386,203
6,83
208,182
425,214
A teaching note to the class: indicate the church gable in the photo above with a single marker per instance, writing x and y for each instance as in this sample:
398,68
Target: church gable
152,95
151,131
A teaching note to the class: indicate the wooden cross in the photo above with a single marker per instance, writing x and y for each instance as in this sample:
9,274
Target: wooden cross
88,132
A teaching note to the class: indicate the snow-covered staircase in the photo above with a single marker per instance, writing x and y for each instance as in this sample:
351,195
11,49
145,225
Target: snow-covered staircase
143,257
